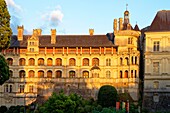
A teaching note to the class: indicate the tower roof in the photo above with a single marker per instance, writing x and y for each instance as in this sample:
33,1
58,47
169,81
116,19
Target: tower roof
161,21
126,12
136,28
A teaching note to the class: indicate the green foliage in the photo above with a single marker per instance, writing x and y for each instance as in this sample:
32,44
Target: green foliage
133,108
106,110
3,109
4,70
5,29
107,96
61,103
22,109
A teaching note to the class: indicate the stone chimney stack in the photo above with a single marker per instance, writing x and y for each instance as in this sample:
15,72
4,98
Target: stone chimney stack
91,32
53,36
120,23
35,32
115,25
20,32
39,31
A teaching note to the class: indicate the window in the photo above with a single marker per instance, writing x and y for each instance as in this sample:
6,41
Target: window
130,40
120,75
41,74
8,88
85,74
58,74
126,61
156,67
31,74
155,84
72,74
95,75
121,61
108,62
156,46
108,74
95,62
155,97
10,61
131,73
126,74
49,61
58,62
31,43
22,62
31,49
11,73
21,88
31,62
136,60
132,60
22,74
135,73
40,61
72,62
85,62
49,74
31,88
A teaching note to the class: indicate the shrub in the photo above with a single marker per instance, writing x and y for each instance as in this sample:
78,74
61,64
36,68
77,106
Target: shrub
3,109
107,96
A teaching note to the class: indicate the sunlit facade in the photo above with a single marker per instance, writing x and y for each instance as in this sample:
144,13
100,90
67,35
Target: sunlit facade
157,58
42,64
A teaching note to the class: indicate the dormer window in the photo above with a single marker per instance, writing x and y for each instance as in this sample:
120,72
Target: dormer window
31,49
32,43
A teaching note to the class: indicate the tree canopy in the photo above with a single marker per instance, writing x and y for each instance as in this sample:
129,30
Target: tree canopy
4,70
107,96
5,30
5,34
61,103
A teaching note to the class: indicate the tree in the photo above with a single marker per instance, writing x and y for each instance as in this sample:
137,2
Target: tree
4,70
59,103
107,96
5,34
3,109
5,30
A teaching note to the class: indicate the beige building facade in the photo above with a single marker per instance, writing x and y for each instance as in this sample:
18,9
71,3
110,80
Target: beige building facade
157,63
42,64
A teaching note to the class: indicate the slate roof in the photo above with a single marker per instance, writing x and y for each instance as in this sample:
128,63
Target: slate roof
136,28
66,41
161,21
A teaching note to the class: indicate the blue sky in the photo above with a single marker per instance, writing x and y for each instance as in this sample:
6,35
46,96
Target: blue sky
77,16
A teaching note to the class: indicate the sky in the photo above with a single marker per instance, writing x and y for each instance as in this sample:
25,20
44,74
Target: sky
70,17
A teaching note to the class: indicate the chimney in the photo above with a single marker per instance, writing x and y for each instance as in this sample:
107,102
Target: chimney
20,32
35,32
39,31
53,36
115,25
120,23
91,32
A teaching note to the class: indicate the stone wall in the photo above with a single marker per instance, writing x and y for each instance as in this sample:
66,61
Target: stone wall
160,103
